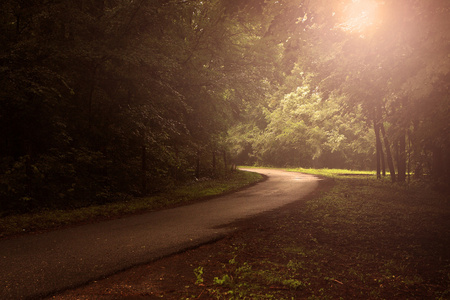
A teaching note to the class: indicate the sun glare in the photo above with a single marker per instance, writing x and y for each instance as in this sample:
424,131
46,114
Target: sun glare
360,15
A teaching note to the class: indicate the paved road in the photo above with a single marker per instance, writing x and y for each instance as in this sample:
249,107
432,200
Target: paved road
37,265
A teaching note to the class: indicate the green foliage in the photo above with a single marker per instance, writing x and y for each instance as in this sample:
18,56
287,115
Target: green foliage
302,129
225,280
111,98
393,74
199,275
126,97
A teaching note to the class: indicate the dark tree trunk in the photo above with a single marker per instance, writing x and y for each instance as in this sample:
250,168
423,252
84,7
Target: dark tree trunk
214,162
176,170
18,24
383,161
144,169
91,97
377,147
409,156
197,165
390,161
225,163
401,158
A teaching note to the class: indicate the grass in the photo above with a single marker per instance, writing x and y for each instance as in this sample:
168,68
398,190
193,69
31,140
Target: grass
362,239
45,220
332,172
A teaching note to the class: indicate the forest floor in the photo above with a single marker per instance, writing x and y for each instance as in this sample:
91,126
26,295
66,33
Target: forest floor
354,238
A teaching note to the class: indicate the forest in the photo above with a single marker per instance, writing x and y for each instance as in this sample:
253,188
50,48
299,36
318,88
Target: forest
102,99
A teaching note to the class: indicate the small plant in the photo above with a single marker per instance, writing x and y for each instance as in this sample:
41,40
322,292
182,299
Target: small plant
225,280
293,284
294,265
199,275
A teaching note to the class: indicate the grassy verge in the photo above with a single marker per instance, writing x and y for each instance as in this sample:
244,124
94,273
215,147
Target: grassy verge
361,239
333,173
45,220
330,173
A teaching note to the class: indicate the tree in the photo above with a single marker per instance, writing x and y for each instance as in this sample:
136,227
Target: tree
120,97
389,70
304,130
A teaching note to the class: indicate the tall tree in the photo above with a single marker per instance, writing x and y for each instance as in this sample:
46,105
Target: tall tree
100,98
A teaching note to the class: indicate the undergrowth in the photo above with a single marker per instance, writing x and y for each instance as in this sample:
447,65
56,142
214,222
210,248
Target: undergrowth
48,219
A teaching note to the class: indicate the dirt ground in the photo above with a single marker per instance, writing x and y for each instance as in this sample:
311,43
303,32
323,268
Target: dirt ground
263,247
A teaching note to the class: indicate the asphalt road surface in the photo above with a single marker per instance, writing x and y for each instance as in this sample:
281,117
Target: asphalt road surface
38,265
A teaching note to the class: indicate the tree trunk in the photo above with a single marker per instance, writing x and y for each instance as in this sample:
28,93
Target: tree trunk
144,169
214,162
388,154
225,163
383,161
177,167
409,156
376,128
91,97
379,144
197,167
401,158
18,23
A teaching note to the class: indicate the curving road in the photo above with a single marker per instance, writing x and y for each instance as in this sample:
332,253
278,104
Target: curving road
37,265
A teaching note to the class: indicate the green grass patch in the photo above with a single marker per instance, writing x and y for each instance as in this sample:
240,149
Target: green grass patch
333,172
199,190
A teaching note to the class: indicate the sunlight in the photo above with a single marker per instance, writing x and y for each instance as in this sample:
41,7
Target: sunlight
360,15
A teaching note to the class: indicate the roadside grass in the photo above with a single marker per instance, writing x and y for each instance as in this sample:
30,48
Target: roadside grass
361,239
199,190
325,172
333,172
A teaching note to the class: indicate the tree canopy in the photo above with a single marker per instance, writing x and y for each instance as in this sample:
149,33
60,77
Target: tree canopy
104,99
385,65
